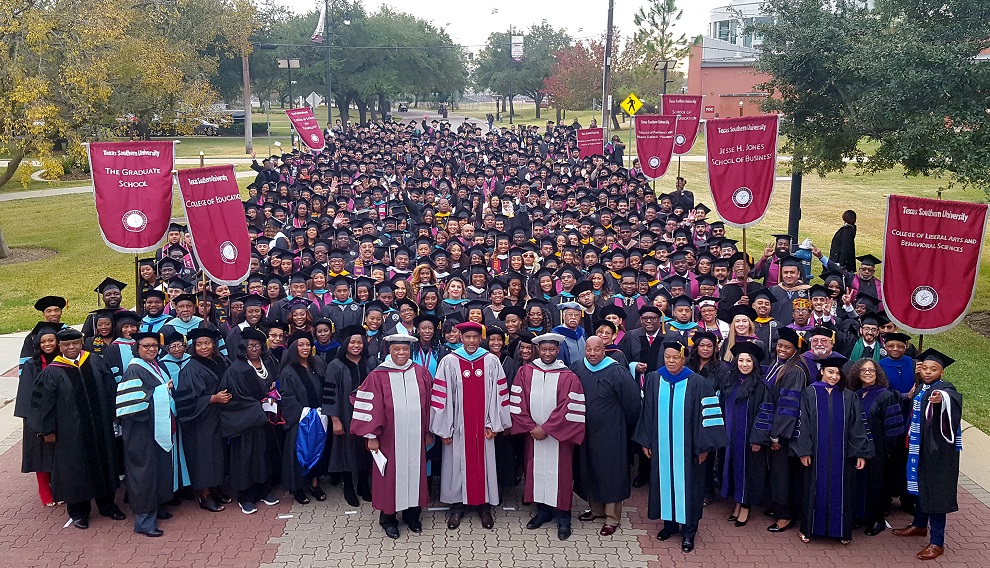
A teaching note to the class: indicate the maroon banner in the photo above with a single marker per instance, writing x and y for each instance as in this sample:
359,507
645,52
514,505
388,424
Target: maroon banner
591,142
931,258
687,109
655,143
215,216
308,127
132,184
742,160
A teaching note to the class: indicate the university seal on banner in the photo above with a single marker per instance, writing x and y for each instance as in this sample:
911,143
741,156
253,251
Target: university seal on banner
228,252
135,221
680,140
924,298
314,138
742,197
654,162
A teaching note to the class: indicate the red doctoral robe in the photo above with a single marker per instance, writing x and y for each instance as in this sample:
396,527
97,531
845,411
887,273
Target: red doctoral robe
393,405
470,393
550,396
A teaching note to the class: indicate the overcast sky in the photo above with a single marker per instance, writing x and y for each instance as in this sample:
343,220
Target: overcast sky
469,23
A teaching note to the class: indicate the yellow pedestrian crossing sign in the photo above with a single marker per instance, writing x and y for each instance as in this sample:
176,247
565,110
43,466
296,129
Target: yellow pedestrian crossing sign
631,104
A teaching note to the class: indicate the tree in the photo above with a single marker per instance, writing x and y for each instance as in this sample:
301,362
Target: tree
70,71
576,79
903,73
495,71
655,30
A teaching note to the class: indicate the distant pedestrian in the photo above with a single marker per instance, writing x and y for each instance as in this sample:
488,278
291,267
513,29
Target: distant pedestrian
843,249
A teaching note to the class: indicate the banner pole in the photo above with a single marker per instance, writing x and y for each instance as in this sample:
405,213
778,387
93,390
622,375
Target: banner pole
921,343
137,284
679,170
746,260
632,127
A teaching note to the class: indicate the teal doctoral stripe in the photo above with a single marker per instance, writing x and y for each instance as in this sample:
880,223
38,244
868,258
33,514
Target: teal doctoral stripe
709,400
711,411
680,455
128,397
712,422
133,409
131,384
663,455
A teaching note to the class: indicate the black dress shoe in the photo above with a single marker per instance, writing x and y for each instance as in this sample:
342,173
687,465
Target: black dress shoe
80,523
454,519
666,533
415,526
875,529
163,515
687,545
741,523
210,505
391,531
300,497
536,522
487,520
116,515
640,481
774,528
563,532
589,516
351,497
318,493
221,497
153,533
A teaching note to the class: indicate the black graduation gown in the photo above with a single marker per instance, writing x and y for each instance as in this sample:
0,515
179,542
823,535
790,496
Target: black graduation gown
343,316
637,348
300,388
348,452
689,429
508,447
938,468
36,454
199,380
833,432
149,467
745,415
77,405
242,419
886,428
612,407
768,334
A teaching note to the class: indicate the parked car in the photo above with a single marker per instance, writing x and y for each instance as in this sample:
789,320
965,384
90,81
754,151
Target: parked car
207,128
403,107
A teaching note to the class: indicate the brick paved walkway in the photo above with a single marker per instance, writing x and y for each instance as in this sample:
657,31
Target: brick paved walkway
333,534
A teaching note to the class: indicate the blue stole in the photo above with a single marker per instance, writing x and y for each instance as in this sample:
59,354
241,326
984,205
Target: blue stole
185,327
460,352
173,366
163,417
682,326
427,359
900,373
125,348
672,451
601,364
153,325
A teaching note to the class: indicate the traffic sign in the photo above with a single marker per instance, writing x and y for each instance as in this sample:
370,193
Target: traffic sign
631,104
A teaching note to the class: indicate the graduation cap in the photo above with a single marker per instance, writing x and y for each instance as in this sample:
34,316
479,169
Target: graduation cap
836,361
791,260
868,260
897,336
516,310
829,275
820,331
783,237
675,281
174,337
154,294
750,347
199,332
868,300
297,303
819,291
46,328
255,300
109,284
178,284
70,334
675,345
298,278
743,310
873,318
184,298
791,336
612,309
168,261
50,302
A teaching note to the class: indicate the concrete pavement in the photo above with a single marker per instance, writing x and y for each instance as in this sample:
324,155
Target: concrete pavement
56,191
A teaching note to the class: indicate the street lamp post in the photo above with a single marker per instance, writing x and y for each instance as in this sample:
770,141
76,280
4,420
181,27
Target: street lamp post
289,64
665,65
741,104
327,27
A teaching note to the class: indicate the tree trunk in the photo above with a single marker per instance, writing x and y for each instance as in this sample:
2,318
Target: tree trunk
512,108
362,111
538,99
615,119
503,103
4,250
8,173
373,108
383,105
343,104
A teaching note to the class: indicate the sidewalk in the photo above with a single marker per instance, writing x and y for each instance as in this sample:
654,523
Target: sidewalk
35,193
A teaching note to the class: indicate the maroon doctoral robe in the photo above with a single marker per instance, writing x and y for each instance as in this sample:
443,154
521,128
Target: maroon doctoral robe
549,396
393,405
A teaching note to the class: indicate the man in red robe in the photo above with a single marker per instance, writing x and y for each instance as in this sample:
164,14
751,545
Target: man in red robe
547,403
470,405
392,410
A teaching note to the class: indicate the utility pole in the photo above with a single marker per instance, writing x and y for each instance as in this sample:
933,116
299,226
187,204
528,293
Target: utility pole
326,36
248,130
607,76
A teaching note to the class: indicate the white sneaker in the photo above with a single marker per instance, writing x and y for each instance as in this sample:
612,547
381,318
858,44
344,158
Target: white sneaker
270,500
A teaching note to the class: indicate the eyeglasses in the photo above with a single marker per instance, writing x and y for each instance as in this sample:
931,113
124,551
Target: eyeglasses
147,345
868,371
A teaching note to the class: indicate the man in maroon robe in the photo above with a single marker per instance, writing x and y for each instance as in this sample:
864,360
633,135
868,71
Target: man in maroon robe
470,401
547,403
392,410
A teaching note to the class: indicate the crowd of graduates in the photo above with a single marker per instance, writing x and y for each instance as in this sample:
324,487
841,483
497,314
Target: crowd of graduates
418,258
